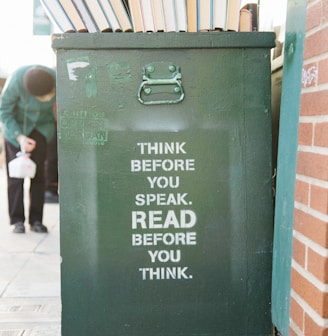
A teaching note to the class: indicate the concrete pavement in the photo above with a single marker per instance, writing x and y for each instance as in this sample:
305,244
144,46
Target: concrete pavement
30,302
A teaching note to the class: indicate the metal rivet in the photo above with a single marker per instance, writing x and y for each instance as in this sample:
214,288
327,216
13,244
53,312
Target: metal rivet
177,89
172,68
147,91
150,68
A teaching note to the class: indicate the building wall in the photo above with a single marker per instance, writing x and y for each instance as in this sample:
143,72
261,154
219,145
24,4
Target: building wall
309,274
19,45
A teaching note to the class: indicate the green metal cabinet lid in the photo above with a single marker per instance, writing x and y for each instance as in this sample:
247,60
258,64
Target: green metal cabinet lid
163,40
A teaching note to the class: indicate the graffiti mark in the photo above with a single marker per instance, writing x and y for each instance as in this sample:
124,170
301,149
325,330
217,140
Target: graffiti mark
309,76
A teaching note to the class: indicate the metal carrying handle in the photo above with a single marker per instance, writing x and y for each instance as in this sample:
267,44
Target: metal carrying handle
161,74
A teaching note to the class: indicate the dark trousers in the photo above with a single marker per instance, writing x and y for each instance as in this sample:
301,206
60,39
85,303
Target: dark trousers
51,172
37,185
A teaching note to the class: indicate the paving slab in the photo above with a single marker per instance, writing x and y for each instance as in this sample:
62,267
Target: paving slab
30,303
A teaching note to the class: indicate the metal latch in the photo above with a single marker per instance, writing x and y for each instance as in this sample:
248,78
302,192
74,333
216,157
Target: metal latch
161,84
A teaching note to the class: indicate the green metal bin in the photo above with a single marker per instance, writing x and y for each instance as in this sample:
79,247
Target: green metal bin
165,183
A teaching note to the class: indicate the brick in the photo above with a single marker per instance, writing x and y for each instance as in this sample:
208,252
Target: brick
311,227
302,191
291,332
312,165
305,134
324,14
318,266
314,103
312,329
313,16
299,250
316,44
319,199
321,134
297,314
309,293
323,71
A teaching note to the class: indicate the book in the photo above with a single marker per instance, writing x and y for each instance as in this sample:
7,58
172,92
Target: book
169,15
233,10
110,15
135,13
147,16
219,15
245,20
204,15
57,15
85,15
192,15
121,13
158,14
98,15
253,9
181,15
73,15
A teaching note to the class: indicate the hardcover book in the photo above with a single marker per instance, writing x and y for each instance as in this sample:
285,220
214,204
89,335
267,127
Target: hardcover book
181,15
85,15
169,15
233,10
98,15
220,14
121,13
136,17
73,15
147,16
158,14
57,15
192,15
204,15
110,15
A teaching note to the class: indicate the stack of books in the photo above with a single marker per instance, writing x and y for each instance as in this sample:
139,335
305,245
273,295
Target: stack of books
94,16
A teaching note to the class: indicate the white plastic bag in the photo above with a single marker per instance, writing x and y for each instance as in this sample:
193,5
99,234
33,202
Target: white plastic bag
22,166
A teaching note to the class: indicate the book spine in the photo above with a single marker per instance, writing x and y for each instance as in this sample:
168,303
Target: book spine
121,12
85,16
181,15
147,15
57,15
110,15
136,17
253,8
205,10
169,15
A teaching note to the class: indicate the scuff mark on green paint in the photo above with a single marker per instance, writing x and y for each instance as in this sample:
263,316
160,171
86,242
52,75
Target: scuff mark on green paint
91,84
119,72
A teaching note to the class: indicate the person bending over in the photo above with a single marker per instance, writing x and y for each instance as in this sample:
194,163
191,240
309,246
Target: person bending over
26,112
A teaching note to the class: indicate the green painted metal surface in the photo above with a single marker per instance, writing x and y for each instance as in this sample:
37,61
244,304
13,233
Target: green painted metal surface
166,209
286,166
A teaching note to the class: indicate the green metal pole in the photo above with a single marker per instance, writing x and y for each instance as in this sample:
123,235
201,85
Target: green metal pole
286,168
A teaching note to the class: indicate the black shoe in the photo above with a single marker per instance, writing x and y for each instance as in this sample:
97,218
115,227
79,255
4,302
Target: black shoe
19,227
38,227
50,197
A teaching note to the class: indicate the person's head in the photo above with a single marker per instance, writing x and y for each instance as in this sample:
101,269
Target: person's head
39,83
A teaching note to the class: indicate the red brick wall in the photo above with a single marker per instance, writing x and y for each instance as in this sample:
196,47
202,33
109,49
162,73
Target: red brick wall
309,275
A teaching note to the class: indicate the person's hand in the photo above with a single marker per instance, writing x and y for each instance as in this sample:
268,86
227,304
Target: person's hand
27,144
